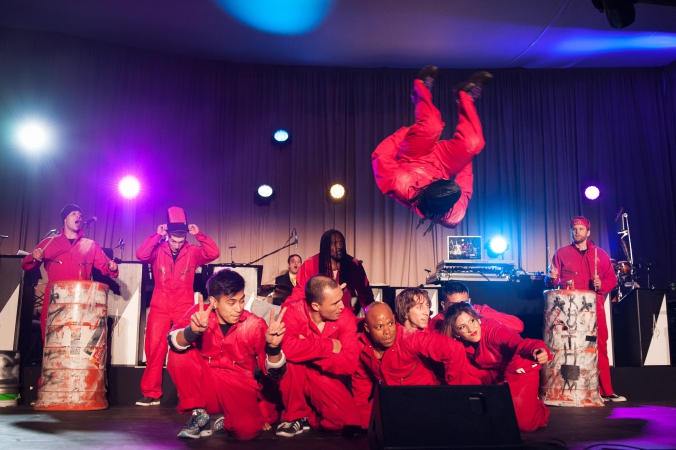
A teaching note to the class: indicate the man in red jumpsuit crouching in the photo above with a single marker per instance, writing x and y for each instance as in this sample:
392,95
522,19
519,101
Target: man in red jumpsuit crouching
215,352
415,168
174,262
394,355
68,256
321,347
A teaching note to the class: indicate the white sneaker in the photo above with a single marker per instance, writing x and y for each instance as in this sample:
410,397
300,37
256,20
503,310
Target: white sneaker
614,398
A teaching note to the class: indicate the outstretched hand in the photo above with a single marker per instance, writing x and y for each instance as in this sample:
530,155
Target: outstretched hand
276,329
199,322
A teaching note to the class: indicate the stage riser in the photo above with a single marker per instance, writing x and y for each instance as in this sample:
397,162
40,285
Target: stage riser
638,384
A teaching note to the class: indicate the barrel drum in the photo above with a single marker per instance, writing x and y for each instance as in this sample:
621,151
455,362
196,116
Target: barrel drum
75,350
571,378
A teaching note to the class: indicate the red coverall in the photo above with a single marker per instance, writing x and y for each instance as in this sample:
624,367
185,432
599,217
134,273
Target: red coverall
408,362
217,373
413,157
314,371
573,265
66,261
502,355
512,322
172,297
357,284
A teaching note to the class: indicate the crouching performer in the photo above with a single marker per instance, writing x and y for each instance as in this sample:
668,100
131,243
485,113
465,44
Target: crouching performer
321,345
215,350
497,354
396,356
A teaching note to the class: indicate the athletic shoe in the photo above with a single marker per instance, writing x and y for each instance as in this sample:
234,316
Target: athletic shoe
218,425
289,429
304,423
614,398
148,401
198,426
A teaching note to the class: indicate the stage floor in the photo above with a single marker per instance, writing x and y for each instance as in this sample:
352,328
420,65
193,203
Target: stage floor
617,425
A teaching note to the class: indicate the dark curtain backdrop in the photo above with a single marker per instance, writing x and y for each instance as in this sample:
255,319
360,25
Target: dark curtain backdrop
198,135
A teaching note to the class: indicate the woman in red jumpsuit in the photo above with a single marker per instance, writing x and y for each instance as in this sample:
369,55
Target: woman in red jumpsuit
497,354
415,168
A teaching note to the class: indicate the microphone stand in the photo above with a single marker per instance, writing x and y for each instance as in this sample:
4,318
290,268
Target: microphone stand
286,245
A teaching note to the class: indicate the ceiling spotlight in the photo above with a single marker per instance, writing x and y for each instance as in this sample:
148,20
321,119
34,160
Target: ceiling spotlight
496,246
592,192
33,135
264,195
281,136
337,192
129,187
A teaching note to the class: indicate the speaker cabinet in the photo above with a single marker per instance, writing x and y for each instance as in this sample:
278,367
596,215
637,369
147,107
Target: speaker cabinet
641,329
427,417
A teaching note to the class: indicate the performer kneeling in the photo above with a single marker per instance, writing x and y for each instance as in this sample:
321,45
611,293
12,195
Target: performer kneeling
497,354
394,355
415,168
215,351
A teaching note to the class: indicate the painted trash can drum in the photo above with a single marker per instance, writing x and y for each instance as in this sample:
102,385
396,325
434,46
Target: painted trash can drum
75,350
571,378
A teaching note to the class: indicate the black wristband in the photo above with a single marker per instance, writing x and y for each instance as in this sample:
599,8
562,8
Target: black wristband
273,351
190,335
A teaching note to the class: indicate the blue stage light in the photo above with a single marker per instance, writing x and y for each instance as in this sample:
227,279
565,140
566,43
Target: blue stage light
496,246
281,136
287,17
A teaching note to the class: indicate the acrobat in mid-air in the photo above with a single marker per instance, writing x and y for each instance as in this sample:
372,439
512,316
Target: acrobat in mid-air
432,177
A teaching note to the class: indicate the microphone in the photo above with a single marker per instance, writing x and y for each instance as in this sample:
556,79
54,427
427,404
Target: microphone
619,214
295,235
93,219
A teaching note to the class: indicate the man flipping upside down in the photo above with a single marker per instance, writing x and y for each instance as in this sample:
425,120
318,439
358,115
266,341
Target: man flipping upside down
415,168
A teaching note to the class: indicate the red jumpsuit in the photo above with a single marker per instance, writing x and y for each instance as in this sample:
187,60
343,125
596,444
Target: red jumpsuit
512,322
502,355
357,284
573,265
66,261
315,372
409,362
172,297
217,373
413,157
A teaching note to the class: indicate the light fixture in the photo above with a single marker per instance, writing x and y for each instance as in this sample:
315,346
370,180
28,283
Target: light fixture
129,187
33,135
337,192
496,246
264,195
592,192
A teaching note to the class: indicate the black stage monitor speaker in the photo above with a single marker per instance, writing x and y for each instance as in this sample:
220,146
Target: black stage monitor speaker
641,329
436,417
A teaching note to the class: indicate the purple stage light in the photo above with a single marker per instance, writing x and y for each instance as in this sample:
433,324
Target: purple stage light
129,187
592,192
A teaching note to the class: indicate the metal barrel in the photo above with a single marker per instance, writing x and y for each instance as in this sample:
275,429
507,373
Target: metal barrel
571,378
75,350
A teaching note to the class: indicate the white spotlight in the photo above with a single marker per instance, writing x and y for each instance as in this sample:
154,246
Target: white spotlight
33,136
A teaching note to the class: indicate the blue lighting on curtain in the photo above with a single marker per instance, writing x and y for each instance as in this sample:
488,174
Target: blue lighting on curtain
289,17
591,42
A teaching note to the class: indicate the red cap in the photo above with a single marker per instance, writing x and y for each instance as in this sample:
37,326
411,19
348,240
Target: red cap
580,220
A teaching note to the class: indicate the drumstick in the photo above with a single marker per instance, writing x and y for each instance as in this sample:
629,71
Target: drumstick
45,247
596,264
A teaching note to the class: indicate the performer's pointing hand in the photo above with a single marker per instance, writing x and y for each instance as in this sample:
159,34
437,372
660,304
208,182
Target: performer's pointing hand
276,329
199,322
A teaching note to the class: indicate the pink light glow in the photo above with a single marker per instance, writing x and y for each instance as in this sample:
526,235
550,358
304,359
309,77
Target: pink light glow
129,187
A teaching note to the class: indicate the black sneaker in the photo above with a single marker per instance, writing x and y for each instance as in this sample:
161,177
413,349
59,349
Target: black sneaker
290,429
304,423
614,398
148,401
198,426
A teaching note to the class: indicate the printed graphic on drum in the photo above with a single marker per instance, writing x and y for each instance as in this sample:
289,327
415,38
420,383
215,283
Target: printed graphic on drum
571,378
74,360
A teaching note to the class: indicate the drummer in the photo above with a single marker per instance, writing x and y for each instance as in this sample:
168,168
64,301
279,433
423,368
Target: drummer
582,265
68,256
